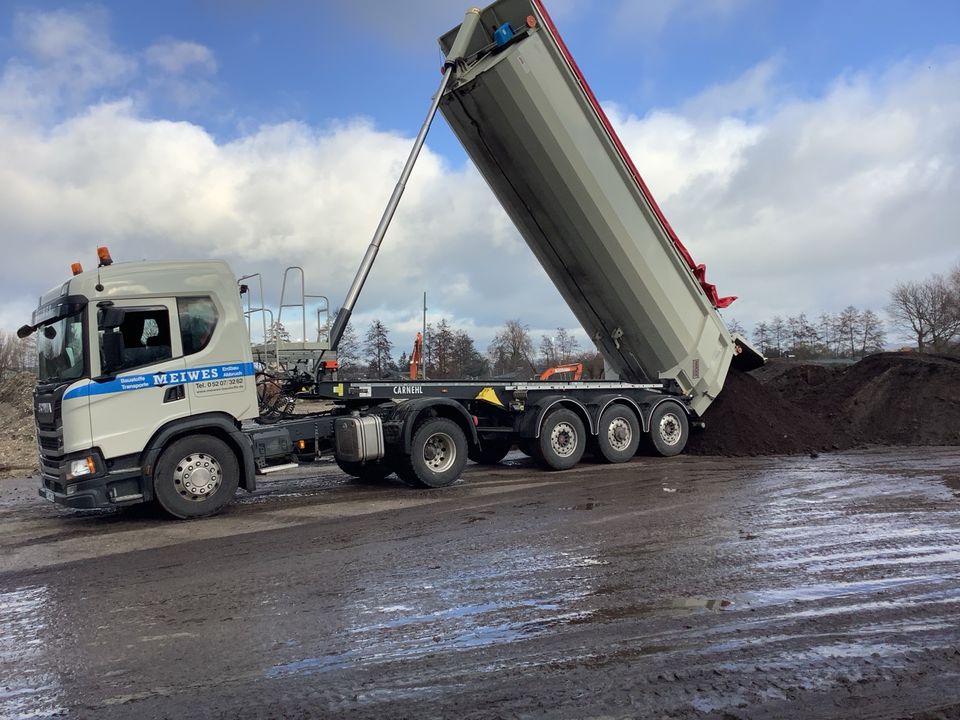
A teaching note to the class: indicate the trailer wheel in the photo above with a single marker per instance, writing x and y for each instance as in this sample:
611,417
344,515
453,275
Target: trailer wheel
491,452
438,454
669,429
372,472
195,476
562,440
619,435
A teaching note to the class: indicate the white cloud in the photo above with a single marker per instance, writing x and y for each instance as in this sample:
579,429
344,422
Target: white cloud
65,58
177,57
752,91
822,202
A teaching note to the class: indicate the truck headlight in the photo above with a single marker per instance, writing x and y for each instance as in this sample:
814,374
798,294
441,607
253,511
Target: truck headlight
80,468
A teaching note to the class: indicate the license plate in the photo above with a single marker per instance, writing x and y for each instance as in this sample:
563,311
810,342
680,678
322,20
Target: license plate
48,494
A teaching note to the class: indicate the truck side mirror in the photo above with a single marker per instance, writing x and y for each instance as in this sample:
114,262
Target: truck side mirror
109,318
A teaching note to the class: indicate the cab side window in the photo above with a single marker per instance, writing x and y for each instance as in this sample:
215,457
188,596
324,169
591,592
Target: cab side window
198,318
142,338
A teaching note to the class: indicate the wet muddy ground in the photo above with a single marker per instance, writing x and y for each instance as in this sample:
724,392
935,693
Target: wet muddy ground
696,587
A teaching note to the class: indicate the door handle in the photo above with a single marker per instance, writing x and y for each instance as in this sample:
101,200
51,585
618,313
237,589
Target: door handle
173,393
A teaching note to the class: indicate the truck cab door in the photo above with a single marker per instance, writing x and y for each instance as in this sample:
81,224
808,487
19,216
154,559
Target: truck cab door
137,361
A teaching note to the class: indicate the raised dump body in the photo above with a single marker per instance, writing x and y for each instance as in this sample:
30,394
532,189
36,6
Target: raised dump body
530,123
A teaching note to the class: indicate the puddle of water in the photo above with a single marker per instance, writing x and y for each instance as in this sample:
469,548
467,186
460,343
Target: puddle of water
854,557
498,599
701,604
27,690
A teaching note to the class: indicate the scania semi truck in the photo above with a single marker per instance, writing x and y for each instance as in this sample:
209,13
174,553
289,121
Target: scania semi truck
146,387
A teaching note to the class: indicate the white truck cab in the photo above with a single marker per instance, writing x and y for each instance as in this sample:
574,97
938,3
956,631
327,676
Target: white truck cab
133,356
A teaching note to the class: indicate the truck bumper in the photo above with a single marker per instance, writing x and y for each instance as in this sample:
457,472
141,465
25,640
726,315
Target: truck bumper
108,488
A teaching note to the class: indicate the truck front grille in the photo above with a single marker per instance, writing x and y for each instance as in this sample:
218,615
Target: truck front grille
50,443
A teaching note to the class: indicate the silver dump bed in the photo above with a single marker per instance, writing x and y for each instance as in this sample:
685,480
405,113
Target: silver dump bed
531,125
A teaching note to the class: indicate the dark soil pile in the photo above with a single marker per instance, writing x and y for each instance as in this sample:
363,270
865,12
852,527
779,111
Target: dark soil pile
887,399
749,418
18,445
799,383
789,407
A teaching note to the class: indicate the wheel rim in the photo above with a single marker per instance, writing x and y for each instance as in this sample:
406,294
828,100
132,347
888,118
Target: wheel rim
619,434
197,476
563,439
439,452
670,429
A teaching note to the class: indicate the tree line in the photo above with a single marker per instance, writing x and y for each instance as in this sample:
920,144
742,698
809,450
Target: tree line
926,311
851,333
451,353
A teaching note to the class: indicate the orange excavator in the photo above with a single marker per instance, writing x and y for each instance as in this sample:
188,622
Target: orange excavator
575,368
416,359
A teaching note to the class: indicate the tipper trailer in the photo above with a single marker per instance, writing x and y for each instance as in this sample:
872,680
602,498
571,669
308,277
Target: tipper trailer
146,387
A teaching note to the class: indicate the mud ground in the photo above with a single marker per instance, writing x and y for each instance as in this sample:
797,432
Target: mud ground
694,587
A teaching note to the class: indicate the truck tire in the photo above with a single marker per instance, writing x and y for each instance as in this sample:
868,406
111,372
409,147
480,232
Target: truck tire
372,472
491,452
438,454
619,434
562,440
195,476
669,429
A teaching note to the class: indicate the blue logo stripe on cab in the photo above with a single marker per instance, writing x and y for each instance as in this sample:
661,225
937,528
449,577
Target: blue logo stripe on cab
140,381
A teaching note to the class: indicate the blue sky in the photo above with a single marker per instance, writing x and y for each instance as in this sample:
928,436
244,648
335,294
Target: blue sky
799,145
317,61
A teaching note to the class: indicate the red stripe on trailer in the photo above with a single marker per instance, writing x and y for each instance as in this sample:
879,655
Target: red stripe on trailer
699,271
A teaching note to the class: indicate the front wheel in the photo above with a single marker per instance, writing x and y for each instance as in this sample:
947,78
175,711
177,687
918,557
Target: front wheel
196,476
562,440
438,454
669,429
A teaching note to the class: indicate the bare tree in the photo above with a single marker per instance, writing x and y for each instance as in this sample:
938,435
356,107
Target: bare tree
735,327
943,306
848,329
928,310
908,312
560,348
827,334
511,348
548,351
761,336
802,336
10,354
778,334
872,335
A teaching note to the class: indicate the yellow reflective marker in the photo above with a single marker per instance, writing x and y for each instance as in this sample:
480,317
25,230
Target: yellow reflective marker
338,389
489,395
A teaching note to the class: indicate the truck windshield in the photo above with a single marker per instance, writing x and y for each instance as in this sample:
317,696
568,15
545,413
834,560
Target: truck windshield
60,349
